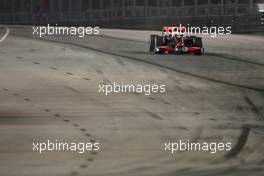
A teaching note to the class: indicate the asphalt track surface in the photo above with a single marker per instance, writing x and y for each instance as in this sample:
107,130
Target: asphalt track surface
49,90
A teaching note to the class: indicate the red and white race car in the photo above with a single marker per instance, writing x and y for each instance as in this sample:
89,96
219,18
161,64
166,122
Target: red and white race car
172,41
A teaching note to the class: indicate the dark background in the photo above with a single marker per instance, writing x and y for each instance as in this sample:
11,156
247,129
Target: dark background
242,15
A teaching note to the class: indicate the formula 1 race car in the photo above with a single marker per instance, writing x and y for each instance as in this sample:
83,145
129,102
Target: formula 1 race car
172,42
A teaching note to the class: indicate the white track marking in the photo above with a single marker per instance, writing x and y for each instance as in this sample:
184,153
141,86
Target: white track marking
6,34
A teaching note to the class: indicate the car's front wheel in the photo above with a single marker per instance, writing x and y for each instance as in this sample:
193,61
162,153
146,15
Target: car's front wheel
198,52
178,50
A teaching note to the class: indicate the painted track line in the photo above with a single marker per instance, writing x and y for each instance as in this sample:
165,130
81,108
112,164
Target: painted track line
6,34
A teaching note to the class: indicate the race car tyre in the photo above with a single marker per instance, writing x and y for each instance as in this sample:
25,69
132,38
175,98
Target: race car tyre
159,52
199,52
178,50
153,43
198,41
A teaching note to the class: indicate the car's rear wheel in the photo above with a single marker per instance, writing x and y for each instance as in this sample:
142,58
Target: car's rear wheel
155,41
198,42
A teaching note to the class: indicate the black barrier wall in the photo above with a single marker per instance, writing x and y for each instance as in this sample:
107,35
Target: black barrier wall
241,15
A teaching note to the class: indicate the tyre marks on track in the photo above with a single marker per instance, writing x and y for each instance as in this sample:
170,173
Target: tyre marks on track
98,71
69,73
154,115
86,79
220,55
194,75
37,63
53,68
54,115
223,56
242,140
245,131
57,69
254,108
20,58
